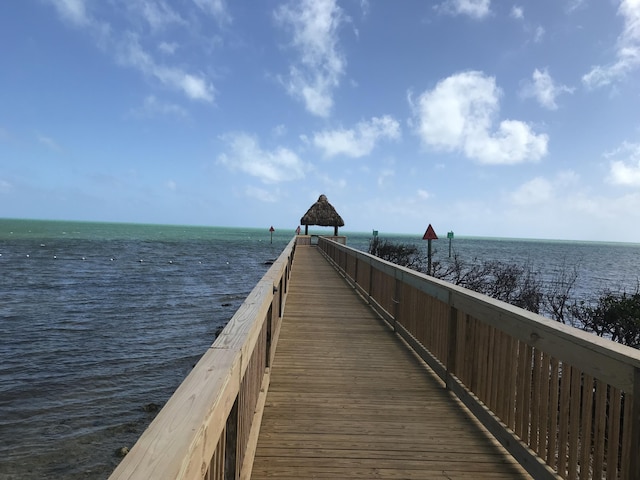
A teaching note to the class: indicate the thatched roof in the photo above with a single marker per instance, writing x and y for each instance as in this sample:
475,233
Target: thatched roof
322,214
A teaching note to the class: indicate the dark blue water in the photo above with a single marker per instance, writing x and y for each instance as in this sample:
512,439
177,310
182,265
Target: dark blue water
98,321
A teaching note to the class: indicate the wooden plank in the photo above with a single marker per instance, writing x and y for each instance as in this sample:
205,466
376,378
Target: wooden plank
553,413
600,416
565,407
613,443
574,423
347,399
543,438
587,437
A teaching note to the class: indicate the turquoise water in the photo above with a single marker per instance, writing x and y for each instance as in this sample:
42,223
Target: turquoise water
99,320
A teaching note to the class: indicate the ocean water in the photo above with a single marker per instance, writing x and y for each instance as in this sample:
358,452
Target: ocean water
98,322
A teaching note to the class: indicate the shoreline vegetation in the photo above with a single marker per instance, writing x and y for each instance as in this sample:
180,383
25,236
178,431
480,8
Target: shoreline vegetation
613,314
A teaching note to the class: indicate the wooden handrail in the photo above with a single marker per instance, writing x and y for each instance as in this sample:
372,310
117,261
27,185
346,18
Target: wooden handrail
205,429
564,402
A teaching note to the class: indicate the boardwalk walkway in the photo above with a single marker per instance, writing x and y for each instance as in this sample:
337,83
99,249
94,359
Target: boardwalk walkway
347,399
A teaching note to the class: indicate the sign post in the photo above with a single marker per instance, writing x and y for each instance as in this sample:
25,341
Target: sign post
272,230
450,237
429,235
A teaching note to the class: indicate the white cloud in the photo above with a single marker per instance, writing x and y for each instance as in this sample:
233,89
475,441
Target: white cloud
127,49
517,12
357,142
384,175
539,34
153,107
423,194
279,130
157,13
544,89
627,49
215,8
172,185
574,5
72,10
193,86
280,165
540,190
624,168
474,8
458,115
168,48
49,142
315,25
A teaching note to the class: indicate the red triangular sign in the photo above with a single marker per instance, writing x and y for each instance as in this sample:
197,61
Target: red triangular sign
430,234
272,229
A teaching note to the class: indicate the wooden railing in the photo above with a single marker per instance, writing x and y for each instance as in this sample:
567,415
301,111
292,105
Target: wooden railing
563,402
208,428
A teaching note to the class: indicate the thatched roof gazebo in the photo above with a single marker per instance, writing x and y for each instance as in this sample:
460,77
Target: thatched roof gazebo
322,214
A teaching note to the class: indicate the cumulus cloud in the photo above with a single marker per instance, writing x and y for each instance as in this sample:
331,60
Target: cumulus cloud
544,89
359,141
314,25
624,168
473,8
246,155
458,115
627,49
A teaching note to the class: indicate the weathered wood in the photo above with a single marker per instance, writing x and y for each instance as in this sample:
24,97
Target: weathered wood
347,399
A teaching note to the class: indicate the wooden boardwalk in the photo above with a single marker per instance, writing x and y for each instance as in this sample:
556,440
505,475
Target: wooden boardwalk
348,399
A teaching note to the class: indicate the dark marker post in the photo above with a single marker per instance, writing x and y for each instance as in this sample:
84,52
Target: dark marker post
272,230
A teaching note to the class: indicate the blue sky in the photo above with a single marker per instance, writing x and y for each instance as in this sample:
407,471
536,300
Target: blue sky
488,118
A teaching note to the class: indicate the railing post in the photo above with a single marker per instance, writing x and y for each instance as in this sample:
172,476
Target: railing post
355,273
452,343
397,292
634,425
231,443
